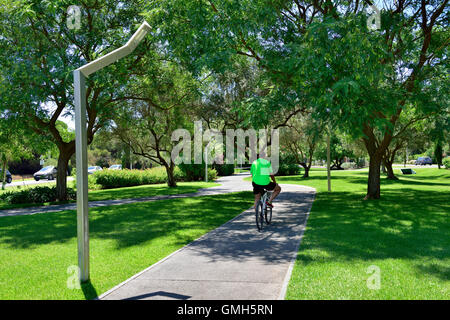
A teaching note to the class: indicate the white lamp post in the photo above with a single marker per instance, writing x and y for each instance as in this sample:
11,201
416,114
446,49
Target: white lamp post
328,156
206,163
80,75
328,161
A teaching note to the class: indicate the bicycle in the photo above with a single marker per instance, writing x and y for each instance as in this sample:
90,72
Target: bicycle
263,211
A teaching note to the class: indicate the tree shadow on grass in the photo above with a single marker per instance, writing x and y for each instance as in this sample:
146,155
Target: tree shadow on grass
442,272
128,225
404,224
141,192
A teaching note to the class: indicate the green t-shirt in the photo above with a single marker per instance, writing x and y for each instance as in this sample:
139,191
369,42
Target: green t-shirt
261,170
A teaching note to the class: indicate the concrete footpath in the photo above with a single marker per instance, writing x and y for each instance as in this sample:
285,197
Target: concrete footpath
232,262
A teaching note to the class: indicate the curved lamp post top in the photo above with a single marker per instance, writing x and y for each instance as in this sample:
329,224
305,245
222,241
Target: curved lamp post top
117,54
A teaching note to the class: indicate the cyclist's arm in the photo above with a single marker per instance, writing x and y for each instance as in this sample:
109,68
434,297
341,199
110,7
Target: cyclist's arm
273,178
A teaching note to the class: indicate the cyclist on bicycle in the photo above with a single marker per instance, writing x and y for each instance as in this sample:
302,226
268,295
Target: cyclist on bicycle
262,173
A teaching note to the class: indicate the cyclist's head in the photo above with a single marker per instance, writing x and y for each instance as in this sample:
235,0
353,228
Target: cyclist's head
263,152
263,155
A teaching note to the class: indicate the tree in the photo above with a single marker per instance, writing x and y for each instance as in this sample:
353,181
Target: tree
439,130
409,130
15,143
300,138
222,95
38,52
339,150
158,104
323,50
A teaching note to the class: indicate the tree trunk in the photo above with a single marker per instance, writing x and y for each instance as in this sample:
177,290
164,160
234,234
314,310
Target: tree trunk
373,184
337,164
306,167
61,177
389,169
438,154
306,175
3,172
170,175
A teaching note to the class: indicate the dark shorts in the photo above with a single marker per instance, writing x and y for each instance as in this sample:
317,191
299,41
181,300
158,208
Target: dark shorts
260,189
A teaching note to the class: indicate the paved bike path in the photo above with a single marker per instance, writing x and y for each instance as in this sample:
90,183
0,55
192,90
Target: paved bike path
232,262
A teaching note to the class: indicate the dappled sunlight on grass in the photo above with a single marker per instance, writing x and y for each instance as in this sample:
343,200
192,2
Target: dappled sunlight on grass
148,191
37,250
406,234
142,191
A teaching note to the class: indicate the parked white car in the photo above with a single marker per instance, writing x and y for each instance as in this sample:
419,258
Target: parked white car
115,167
93,169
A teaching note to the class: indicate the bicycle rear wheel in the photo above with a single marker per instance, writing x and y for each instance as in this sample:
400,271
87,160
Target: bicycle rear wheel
268,214
259,216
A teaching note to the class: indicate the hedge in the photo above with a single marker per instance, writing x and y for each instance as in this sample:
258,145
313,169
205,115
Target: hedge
196,172
224,169
288,169
109,179
35,195
106,179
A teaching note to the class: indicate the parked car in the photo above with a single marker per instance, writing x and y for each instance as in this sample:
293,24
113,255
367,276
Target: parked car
115,167
423,161
48,172
93,169
8,176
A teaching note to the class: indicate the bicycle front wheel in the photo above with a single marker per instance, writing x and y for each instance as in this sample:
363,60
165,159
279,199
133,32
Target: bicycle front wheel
259,216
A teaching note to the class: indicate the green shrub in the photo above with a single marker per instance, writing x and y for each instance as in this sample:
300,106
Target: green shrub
193,172
288,169
109,179
35,195
349,165
360,162
212,174
224,169
196,172
446,162
288,165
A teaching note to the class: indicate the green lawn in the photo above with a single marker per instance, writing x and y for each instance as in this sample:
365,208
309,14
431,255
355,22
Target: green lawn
148,190
406,234
36,251
129,192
